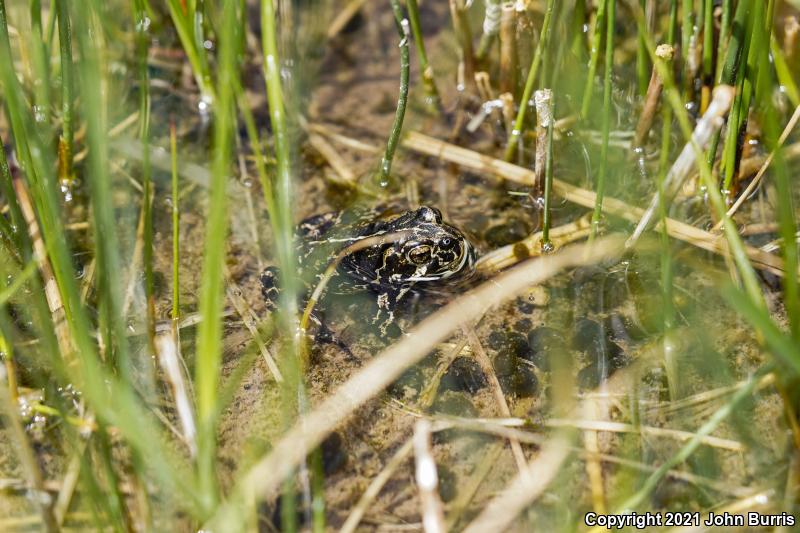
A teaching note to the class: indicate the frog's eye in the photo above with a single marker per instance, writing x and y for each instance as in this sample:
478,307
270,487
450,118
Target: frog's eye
420,255
447,242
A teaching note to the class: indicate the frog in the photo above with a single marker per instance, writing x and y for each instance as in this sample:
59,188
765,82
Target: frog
421,254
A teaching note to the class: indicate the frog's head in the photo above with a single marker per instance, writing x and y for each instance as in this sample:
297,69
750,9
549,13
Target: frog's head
428,250
437,250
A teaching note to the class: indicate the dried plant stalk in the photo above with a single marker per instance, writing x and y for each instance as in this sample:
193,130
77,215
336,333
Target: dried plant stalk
665,53
705,128
427,479
497,390
308,432
508,48
676,229
168,354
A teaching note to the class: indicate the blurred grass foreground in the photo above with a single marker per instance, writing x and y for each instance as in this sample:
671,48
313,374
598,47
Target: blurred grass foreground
630,342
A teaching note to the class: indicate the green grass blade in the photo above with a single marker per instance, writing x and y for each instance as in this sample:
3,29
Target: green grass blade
783,348
67,86
183,18
41,68
176,225
609,67
735,243
99,179
405,69
530,82
209,336
142,48
719,416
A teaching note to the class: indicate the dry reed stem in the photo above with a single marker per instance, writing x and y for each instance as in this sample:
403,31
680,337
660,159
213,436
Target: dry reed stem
544,117
711,122
708,396
759,228
249,207
374,488
596,408
161,159
427,478
483,84
791,30
531,246
507,100
751,165
664,52
428,394
168,357
775,244
51,292
528,437
187,320
508,48
678,230
460,20
331,155
249,318
70,481
494,384
268,473
469,487
120,127
620,427
343,18
133,270
757,179
344,140
500,512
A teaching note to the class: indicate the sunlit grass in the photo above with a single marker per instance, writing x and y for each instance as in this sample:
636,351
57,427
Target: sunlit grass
66,72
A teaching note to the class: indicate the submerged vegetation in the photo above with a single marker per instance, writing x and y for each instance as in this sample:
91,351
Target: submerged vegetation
630,340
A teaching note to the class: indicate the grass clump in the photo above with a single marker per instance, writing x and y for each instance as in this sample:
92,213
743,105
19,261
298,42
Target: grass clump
101,397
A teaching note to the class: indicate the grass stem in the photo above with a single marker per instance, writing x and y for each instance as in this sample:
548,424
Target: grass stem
724,34
687,449
642,62
18,234
708,54
491,27
737,248
432,100
184,16
65,147
41,67
546,118
461,28
142,48
530,82
594,57
609,66
91,79
397,127
747,82
508,49
209,335
176,228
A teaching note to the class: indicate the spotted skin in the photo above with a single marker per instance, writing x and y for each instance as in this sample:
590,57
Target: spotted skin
429,255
